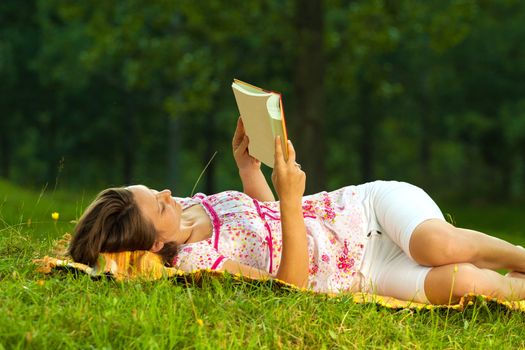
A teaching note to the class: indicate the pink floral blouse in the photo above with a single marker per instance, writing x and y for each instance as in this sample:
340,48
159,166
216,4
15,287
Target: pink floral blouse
248,231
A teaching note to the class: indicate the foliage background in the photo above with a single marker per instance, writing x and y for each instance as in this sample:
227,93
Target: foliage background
101,93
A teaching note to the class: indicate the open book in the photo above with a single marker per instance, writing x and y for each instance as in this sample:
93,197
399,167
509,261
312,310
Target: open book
263,118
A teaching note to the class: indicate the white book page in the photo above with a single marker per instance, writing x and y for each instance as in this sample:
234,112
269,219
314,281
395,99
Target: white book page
257,122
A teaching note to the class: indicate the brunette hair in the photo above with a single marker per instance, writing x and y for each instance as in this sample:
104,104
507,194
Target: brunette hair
113,223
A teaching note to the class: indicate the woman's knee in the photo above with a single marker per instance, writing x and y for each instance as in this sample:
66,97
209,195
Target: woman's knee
468,278
437,243
445,284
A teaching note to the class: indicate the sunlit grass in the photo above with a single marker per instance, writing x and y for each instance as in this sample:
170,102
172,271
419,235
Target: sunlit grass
68,311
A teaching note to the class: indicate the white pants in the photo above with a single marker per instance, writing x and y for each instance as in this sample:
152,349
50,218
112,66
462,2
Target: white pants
387,267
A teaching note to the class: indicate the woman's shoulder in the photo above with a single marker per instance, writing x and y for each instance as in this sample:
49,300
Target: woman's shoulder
197,255
200,196
226,196
186,202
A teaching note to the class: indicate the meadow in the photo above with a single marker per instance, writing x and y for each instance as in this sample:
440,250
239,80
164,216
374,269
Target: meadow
64,310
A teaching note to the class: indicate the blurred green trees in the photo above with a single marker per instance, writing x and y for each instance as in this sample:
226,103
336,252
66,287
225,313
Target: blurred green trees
104,93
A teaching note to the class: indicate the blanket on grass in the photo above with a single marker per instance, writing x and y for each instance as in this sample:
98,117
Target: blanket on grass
149,266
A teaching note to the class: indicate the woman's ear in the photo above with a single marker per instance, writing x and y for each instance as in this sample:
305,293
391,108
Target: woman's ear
157,246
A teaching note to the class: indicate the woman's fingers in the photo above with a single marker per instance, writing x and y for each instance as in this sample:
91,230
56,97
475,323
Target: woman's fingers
240,124
291,153
278,159
244,143
240,142
239,134
279,156
242,147
287,176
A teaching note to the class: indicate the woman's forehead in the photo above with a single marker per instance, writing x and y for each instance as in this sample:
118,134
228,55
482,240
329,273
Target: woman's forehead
143,194
146,200
143,188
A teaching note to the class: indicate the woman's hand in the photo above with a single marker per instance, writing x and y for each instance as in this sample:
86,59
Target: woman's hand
289,182
287,177
253,181
245,162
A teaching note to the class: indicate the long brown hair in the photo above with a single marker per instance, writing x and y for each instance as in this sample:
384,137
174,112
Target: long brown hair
113,223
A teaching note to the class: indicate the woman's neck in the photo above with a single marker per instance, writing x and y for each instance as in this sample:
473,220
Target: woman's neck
196,224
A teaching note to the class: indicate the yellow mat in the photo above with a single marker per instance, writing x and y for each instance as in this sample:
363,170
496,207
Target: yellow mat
149,266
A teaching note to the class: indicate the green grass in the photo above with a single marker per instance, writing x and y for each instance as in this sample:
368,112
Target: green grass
67,311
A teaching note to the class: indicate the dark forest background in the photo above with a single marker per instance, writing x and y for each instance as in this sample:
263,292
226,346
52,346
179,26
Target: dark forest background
102,93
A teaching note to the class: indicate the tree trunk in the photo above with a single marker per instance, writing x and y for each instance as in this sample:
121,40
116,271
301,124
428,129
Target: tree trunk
173,154
308,125
367,120
426,131
129,143
209,136
5,158
49,135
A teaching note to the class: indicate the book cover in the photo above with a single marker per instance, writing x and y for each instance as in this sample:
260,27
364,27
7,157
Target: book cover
263,118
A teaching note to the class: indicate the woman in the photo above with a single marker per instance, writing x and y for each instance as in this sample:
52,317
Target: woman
387,238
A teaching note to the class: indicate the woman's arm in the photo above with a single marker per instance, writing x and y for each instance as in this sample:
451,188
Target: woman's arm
234,267
253,181
289,182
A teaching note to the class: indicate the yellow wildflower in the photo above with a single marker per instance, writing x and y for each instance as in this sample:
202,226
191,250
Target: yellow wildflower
55,216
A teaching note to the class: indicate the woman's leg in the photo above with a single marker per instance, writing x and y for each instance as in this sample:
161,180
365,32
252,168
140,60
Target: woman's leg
387,270
447,284
437,243
515,274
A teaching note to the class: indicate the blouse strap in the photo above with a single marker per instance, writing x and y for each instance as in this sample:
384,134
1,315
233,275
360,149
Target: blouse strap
186,202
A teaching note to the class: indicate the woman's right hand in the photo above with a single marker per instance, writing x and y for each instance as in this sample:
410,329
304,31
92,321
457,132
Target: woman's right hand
289,182
287,177
245,162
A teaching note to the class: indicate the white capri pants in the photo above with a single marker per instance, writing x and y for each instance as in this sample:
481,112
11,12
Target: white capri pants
387,267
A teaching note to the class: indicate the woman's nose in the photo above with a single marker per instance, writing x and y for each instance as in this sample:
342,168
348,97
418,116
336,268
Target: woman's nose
165,192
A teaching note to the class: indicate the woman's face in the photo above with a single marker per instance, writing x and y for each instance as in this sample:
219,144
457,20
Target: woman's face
162,210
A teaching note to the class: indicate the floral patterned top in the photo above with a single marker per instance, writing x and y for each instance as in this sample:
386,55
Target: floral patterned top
248,231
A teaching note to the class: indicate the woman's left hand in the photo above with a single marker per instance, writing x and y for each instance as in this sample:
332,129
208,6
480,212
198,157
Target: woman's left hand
245,162
287,177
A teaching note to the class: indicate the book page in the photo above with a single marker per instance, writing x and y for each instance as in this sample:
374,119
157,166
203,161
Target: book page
278,130
257,125
262,116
